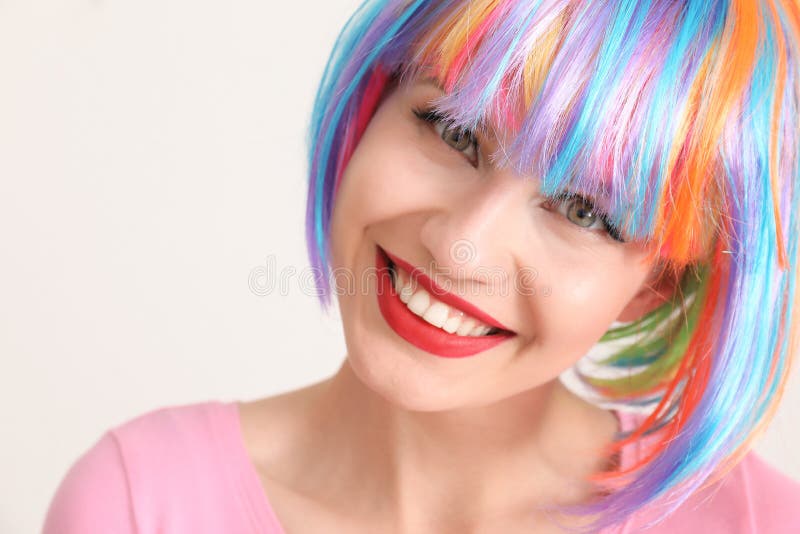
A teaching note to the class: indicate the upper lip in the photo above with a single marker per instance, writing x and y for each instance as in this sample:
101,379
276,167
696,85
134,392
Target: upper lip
418,275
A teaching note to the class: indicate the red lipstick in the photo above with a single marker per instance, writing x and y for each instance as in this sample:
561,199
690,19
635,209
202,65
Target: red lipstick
417,330
419,277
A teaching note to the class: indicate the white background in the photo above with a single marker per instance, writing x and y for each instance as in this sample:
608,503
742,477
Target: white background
152,155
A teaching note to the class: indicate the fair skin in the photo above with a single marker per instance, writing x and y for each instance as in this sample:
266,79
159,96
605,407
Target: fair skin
399,440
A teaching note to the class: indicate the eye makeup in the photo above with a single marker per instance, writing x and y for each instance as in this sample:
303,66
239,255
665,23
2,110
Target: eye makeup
459,139
465,141
570,196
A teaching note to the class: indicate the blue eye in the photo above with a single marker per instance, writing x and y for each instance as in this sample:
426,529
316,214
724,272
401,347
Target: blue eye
459,139
582,212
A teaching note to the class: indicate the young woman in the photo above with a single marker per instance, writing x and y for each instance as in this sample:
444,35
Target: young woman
499,188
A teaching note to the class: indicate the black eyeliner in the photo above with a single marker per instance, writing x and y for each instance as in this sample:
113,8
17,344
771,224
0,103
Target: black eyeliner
611,228
431,116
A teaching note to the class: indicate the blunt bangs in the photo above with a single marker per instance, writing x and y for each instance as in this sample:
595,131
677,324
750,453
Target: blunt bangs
629,102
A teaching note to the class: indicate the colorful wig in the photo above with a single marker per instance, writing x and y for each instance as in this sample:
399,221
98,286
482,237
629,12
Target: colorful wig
686,112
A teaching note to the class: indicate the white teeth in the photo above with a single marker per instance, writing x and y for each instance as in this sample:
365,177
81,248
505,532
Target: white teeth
435,312
466,327
451,325
419,302
479,330
405,293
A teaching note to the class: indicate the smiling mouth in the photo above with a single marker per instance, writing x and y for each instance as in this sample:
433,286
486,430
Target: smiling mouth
427,316
427,306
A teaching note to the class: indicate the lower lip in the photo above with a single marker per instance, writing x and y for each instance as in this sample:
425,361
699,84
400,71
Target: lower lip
417,330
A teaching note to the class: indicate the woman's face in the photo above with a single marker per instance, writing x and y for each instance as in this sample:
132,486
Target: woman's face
428,196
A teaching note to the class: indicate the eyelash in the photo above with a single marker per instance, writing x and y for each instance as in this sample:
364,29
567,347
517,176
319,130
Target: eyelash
434,118
567,196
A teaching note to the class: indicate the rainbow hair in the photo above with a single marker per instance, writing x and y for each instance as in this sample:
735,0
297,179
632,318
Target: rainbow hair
687,113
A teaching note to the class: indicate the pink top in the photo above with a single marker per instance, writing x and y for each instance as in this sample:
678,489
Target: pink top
185,469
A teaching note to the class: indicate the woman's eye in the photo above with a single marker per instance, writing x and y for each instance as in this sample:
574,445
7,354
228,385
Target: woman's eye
460,139
580,211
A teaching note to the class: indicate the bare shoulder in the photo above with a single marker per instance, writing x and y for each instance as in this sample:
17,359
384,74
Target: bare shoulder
272,427
274,430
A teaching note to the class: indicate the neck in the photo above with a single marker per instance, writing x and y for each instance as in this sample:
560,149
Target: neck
532,448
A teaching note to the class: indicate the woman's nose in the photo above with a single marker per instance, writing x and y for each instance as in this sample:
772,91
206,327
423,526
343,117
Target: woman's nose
474,235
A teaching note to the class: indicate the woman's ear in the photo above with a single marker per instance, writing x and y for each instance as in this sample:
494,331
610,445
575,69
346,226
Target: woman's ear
660,287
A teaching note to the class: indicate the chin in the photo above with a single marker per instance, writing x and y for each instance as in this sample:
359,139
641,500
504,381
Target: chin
407,385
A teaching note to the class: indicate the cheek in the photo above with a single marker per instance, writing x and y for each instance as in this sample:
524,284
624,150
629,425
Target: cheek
583,302
385,178
592,292
362,197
